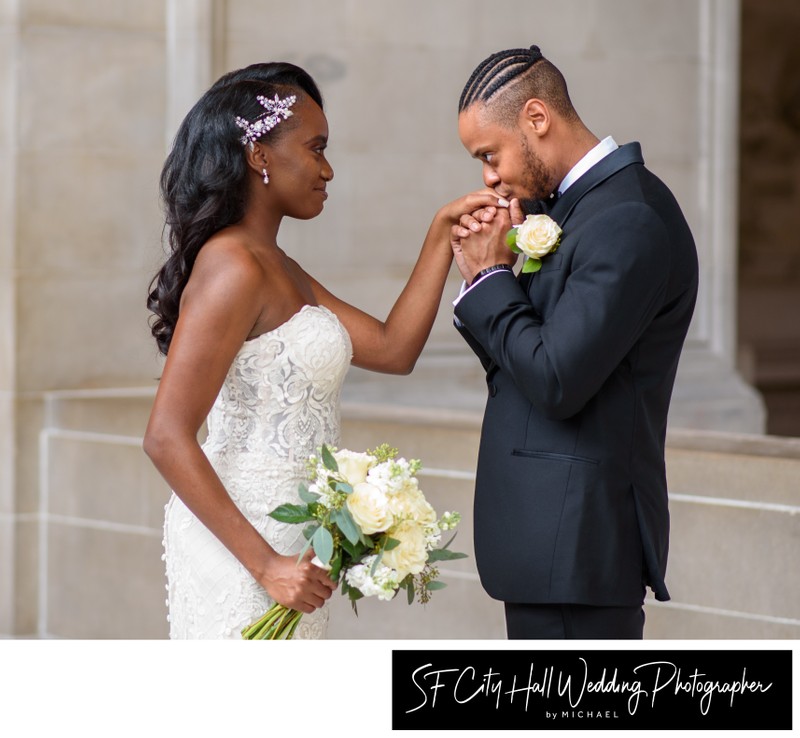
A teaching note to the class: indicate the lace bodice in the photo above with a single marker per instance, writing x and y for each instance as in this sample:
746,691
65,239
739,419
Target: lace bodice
280,400
278,404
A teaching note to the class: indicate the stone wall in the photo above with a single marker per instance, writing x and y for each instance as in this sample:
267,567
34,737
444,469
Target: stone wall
734,507
769,208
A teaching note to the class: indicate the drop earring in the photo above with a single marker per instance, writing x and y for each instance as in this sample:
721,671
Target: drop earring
266,176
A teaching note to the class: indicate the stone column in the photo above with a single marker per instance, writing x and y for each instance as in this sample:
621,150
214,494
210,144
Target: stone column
9,49
190,56
709,393
81,142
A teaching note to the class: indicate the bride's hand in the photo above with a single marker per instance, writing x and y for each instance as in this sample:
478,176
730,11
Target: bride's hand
471,221
471,208
301,586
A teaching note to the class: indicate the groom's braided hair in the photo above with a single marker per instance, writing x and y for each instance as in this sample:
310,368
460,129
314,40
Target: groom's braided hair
519,74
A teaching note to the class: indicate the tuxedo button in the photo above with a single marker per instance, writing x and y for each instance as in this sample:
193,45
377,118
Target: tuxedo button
492,389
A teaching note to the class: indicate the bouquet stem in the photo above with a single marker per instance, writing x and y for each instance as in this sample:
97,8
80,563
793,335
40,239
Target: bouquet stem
277,624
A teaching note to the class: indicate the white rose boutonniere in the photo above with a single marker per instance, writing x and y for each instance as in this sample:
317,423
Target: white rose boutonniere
536,237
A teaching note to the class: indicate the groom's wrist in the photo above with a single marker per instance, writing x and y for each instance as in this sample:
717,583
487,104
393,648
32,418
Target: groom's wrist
489,270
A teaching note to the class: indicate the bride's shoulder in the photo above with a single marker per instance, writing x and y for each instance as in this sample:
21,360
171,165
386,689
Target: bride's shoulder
230,256
226,266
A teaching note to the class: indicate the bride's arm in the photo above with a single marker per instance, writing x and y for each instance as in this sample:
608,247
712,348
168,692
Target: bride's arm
394,345
220,306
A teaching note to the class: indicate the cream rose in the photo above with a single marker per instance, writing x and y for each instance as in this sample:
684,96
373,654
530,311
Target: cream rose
410,556
369,508
354,466
538,236
410,503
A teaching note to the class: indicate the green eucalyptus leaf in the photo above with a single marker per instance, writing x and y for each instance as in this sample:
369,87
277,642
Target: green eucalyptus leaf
390,543
305,548
307,496
376,564
443,554
328,460
410,591
322,541
366,541
347,525
435,585
343,487
349,548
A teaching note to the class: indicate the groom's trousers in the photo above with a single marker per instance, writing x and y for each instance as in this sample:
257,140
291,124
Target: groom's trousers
560,622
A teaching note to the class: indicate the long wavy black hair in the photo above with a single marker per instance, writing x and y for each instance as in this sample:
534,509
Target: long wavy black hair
204,178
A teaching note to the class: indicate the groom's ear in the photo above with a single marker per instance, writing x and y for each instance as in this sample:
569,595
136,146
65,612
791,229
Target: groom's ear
535,117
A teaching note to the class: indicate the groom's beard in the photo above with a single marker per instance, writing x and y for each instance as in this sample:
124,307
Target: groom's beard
537,182
532,207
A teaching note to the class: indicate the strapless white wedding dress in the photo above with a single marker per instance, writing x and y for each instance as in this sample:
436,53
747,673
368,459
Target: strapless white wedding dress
279,403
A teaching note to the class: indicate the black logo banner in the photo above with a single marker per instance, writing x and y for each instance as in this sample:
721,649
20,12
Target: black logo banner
592,689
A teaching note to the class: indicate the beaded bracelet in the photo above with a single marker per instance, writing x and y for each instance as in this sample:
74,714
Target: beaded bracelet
489,270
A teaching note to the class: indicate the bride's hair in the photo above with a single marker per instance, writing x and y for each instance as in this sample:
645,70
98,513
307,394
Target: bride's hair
204,179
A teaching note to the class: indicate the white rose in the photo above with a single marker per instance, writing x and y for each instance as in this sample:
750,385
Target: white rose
410,556
353,465
369,508
537,236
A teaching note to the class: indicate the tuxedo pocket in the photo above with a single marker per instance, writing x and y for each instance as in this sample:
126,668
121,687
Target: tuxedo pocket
551,263
552,456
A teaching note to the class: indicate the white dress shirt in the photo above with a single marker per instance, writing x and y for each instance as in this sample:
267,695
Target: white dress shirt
592,157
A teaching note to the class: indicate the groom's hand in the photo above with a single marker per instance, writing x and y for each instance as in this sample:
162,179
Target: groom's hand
476,248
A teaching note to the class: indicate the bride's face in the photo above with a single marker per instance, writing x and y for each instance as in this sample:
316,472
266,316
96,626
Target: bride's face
298,169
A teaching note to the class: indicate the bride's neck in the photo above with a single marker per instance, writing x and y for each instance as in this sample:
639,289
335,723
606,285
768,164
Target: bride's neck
262,224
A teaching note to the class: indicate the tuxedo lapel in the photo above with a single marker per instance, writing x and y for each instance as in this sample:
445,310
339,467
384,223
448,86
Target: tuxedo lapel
562,208
608,166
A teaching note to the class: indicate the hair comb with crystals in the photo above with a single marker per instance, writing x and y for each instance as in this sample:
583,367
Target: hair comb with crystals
276,110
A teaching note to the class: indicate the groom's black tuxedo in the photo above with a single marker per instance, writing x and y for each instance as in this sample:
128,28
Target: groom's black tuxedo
571,494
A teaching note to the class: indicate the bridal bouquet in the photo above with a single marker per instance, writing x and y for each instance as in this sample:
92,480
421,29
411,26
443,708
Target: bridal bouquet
369,525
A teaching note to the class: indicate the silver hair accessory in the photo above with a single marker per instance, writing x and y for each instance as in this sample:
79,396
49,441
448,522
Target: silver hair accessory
276,111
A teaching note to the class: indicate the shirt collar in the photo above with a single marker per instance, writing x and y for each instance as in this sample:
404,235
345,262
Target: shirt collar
603,149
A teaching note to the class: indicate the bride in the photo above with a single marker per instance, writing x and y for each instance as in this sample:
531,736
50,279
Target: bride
258,348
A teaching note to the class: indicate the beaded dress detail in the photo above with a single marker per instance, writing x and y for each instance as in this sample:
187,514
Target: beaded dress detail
279,403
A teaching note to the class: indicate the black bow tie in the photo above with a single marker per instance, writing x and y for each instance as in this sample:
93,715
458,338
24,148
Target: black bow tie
537,207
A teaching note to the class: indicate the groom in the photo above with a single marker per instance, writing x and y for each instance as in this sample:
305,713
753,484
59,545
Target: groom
571,517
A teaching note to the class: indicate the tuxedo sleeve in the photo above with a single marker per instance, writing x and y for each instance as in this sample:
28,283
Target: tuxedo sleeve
619,273
480,352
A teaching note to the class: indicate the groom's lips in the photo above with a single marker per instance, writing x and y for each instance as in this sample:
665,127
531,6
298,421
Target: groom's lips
322,190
